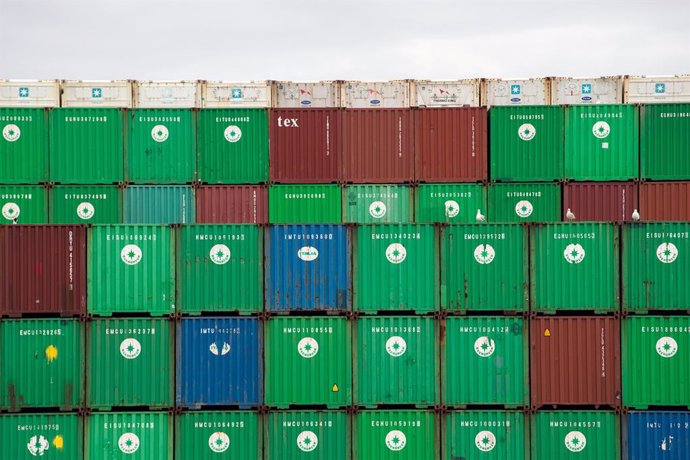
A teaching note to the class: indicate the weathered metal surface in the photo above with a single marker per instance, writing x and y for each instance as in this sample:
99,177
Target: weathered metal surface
231,204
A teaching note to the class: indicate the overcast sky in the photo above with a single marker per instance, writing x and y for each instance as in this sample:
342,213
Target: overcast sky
327,39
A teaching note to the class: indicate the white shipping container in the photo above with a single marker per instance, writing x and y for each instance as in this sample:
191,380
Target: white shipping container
29,93
167,94
111,94
450,93
292,94
646,90
579,91
377,94
532,91
223,94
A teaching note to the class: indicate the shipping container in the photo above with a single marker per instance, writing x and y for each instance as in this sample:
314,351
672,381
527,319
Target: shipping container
377,146
524,203
377,204
219,268
219,362
448,93
601,201
49,436
450,144
485,435
396,361
24,145
43,364
94,93
532,91
305,145
29,93
484,267
597,90
42,270
664,201
233,146
375,94
159,204
308,268
204,435
130,362
395,434
449,203
167,94
128,436
86,146
318,435
663,89
656,436
23,204
395,268
293,94
314,355
665,141
602,142
234,204
131,268
587,435
575,360
304,204
656,361
526,143
227,94
85,204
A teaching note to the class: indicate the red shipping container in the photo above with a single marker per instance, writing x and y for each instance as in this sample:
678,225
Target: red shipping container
450,144
377,146
601,201
665,201
305,146
42,269
575,361
232,204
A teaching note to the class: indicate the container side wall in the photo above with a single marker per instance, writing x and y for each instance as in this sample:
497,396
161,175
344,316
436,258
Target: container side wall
449,203
238,204
24,145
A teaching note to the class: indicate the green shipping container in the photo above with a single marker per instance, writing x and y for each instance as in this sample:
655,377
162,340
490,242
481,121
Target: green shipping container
396,361
206,435
304,204
130,363
48,436
308,361
129,436
396,268
313,435
399,434
42,364
220,268
485,435
602,142
377,204
526,143
24,146
665,141
485,361
27,204
449,203
579,435
159,204
95,204
484,267
524,203
574,267
86,146
233,146
130,268
656,361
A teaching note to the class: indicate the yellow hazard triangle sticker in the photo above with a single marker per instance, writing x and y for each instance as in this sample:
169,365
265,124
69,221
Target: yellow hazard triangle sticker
335,388
547,333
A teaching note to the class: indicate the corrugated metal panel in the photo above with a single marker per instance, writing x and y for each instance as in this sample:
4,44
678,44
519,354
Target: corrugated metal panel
293,94
657,436
661,201
486,435
42,269
575,434
377,146
50,436
395,268
598,90
591,342
308,268
396,361
375,94
131,269
449,203
23,204
204,435
375,204
656,361
532,91
664,142
112,94
601,201
167,94
225,94
399,434
233,146
45,367
86,146
29,93
128,435
484,267
449,93
95,204
219,268
527,143
450,145
214,350
304,204
320,435
602,142
159,204
524,203
574,266
130,362
24,146
648,90
240,204
315,355
305,145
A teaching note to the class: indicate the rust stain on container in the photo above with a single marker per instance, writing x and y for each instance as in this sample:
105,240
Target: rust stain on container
232,204
601,201
666,201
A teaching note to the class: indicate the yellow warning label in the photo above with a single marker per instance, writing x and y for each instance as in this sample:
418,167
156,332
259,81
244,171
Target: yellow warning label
51,353
547,333
335,388
58,442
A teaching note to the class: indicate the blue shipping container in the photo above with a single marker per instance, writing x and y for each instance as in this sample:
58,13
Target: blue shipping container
658,436
159,204
219,362
308,268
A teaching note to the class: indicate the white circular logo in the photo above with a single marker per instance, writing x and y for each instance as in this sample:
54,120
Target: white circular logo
37,445
232,134
667,253
128,443
574,253
308,347
484,347
307,253
131,254
396,440
485,441
667,347
527,131
377,209
307,441
213,348
219,254
396,253
524,208
452,208
219,442
484,254
11,133
396,346
130,348
601,130
160,133
85,210
575,441
11,211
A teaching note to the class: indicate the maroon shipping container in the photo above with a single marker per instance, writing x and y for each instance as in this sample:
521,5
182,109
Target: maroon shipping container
377,146
601,201
232,204
450,144
669,201
575,360
305,146
42,269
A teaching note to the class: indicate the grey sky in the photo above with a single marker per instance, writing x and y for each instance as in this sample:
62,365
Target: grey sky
319,40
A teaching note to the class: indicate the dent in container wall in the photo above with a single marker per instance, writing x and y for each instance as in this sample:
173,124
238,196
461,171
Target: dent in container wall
400,434
28,436
159,204
319,435
293,94
232,204
377,204
450,203
204,435
119,435
575,434
23,204
24,146
485,435
664,201
657,435
601,201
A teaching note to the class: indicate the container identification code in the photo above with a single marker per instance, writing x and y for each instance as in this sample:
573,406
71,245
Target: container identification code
474,329
378,195
85,196
602,115
450,195
309,236
160,119
403,423
523,194
34,332
567,236
302,330
39,427
296,196
310,423
683,235
396,236
536,116
674,115
671,425
227,237
86,119
16,118
120,425
220,330
387,329
654,329
485,423
574,424
232,119
110,237
239,424
486,236
130,330
17,196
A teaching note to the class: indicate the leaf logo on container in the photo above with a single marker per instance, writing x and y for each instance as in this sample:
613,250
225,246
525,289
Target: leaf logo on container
11,211
484,347
308,347
484,254
396,346
377,209
307,441
131,254
85,210
667,253
524,208
601,130
220,254
452,208
575,441
308,253
213,348
219,442
574,253
128,443
11,133
232,134
37,445
130,348
396,440
527,131
160,133
396,253
667,347
485,441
